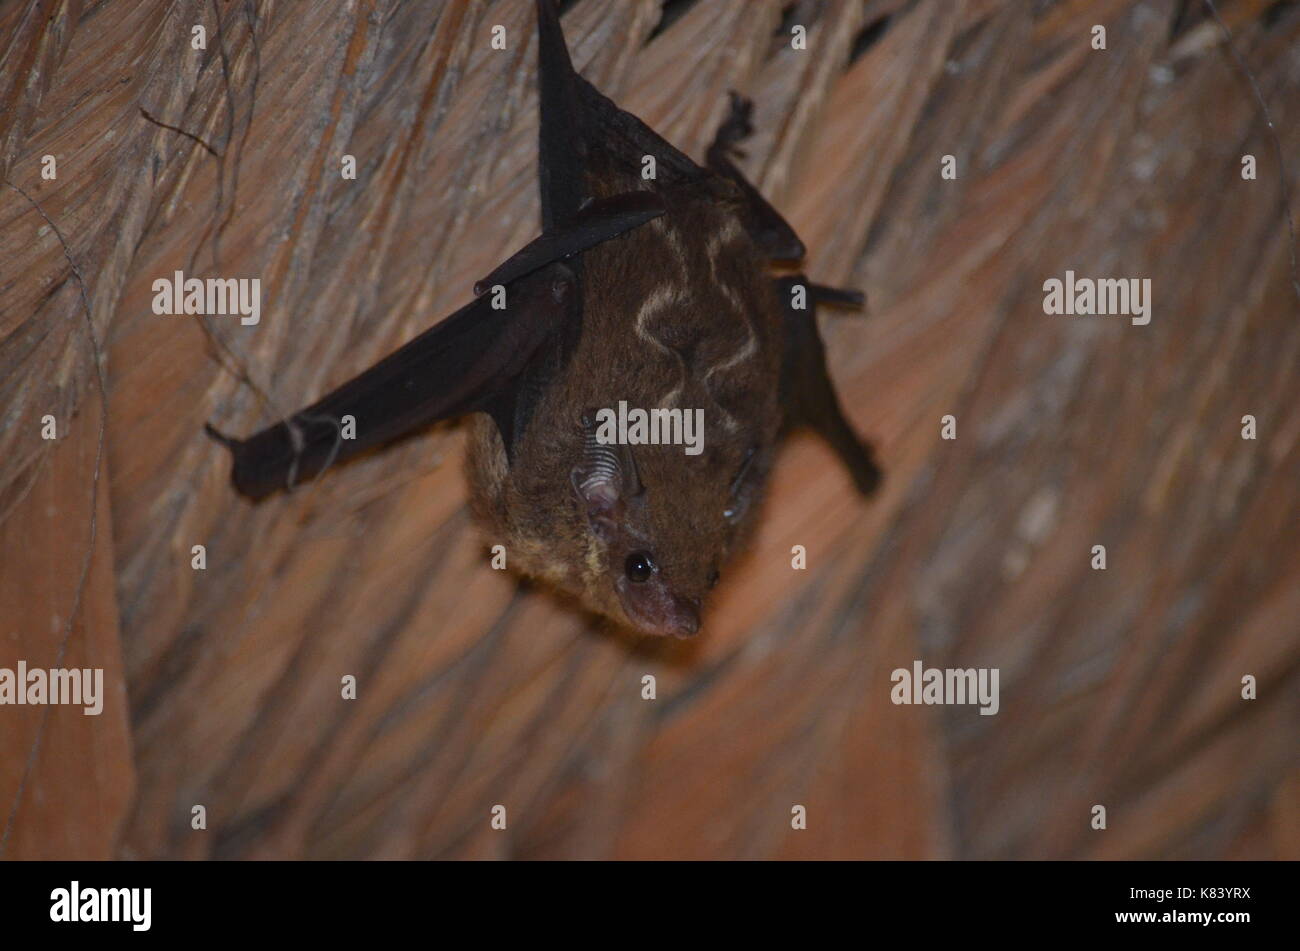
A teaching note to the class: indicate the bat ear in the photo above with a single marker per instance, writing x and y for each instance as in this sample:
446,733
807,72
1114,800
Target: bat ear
598,494
632,486
603,481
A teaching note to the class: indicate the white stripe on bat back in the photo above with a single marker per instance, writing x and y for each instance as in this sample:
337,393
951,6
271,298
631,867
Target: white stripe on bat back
661,299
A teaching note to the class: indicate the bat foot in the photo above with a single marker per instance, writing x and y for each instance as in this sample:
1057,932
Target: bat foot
737,126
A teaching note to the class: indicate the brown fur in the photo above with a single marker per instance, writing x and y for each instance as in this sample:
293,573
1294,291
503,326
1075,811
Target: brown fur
680,313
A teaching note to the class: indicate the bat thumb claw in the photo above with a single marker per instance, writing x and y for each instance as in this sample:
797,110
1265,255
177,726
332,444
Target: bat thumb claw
218,436
868,480
838,297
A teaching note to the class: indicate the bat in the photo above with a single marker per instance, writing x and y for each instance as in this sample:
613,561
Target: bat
656,292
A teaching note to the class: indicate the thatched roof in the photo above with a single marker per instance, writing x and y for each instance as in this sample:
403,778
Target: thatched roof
1119,687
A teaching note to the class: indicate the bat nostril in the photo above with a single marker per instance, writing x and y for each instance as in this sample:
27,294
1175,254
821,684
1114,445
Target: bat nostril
686,617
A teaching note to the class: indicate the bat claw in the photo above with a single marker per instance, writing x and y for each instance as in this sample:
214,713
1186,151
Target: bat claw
742,110
838,296
218,436
737,126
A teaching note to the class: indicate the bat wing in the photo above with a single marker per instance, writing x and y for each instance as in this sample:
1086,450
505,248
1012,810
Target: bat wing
806,392
580,126
625,140
478,359
571,104
766,227
482,358
596,221
562,157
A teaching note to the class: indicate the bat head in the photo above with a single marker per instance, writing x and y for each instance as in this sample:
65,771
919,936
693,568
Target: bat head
662,523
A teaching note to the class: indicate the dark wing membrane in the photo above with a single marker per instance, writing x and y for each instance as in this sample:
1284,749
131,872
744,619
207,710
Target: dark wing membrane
769,231
474,360
562,148
577,119
594,223
627,140
806,391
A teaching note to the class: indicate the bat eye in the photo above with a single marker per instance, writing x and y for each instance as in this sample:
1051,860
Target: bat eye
714,578
639,566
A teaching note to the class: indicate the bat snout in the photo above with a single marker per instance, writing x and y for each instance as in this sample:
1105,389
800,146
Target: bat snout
661,613
684,620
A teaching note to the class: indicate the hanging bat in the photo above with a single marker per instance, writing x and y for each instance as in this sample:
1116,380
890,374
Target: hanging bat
654,291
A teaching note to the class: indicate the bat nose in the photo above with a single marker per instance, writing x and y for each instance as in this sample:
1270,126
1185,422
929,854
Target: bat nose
661,612
685,618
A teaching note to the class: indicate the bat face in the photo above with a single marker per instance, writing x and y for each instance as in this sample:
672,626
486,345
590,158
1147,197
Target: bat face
674,539
638,534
